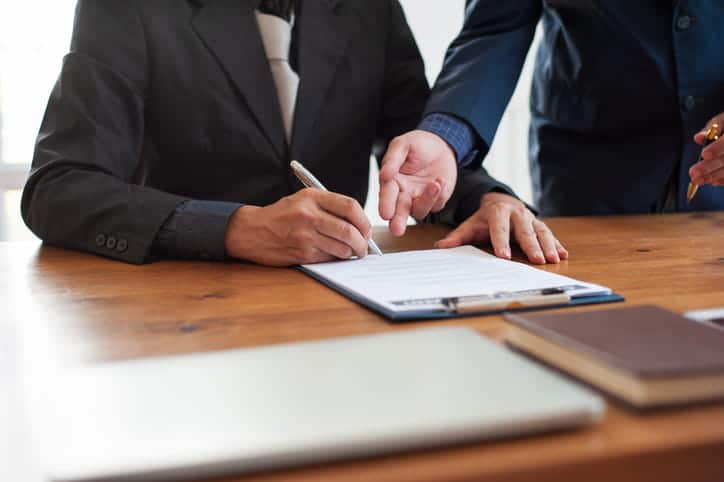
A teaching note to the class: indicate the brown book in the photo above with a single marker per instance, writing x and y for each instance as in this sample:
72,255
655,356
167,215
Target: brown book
644,355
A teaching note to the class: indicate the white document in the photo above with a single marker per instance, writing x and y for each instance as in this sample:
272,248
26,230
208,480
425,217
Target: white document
421,280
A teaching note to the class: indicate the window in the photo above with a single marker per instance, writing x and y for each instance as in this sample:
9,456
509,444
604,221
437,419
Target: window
34,36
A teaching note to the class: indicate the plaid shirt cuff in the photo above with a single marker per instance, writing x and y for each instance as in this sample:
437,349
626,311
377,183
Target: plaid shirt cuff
455,131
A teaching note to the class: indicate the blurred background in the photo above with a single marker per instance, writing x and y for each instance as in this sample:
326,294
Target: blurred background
35,34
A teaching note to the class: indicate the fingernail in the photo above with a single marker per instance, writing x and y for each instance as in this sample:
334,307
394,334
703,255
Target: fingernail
707,155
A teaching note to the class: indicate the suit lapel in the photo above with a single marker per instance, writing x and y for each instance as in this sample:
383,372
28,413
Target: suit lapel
229,30
323,37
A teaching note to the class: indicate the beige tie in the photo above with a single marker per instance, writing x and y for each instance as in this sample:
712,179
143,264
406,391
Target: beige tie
276,34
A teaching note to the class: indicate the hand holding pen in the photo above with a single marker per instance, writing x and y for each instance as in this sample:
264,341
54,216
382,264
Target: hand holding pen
710,168
309,226
308,179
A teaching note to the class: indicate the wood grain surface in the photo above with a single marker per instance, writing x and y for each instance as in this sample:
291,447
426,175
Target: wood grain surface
61,308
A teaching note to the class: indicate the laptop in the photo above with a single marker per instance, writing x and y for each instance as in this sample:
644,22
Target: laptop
231,412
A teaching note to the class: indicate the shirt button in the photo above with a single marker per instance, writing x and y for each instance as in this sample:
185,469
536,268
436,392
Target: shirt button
683,22
111,242
101,240
122,246
689,102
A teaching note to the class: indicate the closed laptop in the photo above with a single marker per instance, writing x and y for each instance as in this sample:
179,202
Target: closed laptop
247,410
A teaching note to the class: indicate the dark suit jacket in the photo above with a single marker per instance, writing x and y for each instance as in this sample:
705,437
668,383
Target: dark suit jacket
620,88
163,101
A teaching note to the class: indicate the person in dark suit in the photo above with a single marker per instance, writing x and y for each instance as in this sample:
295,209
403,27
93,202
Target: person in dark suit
170,130
620,95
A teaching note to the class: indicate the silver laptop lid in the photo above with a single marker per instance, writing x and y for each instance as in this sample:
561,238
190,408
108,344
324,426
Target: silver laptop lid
246,410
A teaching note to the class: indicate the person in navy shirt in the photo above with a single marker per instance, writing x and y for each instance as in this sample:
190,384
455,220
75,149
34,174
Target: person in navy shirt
621,97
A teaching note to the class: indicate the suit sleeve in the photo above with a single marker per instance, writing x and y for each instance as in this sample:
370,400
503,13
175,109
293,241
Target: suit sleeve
483,64
80,194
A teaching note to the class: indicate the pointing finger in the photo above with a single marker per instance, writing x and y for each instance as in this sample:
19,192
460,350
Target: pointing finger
422,205
389,192
395,157
398,225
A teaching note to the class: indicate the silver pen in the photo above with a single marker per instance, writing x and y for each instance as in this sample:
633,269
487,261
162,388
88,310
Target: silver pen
308,179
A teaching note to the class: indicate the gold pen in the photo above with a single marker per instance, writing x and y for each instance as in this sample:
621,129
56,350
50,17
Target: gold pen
711,135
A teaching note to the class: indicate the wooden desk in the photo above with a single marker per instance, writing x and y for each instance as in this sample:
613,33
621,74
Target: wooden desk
65,307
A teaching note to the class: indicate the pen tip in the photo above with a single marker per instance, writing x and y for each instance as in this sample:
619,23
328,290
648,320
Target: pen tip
691,192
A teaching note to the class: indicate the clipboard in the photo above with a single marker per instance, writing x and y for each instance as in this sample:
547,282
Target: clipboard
440,314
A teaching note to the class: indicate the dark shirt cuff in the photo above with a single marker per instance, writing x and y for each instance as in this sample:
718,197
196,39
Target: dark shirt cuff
196,230
455,131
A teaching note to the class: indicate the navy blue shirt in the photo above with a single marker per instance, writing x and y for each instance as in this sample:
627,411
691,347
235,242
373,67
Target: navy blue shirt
619,90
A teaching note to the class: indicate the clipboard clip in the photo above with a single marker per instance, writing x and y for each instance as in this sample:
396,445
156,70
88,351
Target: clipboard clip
506,301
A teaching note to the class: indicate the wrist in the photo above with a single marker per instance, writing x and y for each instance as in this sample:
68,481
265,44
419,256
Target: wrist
239,231
450,152
455,132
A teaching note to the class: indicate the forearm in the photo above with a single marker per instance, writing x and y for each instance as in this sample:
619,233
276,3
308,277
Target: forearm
92,211
483,64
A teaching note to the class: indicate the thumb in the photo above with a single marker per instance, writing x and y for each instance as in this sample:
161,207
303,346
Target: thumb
463,234
395,157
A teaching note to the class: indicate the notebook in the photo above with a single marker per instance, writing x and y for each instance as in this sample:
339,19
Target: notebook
237,411
415,285
644,355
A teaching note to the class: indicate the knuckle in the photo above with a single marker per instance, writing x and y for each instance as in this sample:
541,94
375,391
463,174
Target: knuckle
309,255
297,237
521,211
396,143
500,229
307,192
499,208
349,204
360,248
346,232
305,215
540,227
528,236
